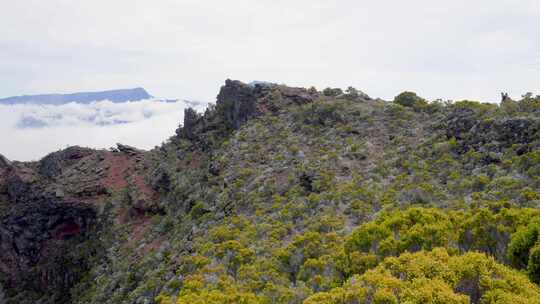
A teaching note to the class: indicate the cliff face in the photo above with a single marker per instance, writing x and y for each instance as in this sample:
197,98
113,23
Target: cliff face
50,214
238,102
36,241
285,195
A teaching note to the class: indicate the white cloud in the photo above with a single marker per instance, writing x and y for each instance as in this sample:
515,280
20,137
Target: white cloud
143,124
458,49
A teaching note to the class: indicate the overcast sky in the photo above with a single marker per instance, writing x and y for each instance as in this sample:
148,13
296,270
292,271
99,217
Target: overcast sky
461,49
186,48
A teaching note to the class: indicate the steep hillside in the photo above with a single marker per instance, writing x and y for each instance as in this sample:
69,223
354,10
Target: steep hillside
287,195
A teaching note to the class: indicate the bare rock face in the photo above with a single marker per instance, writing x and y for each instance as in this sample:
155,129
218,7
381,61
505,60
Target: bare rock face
51,166
35,237
38,231
128,149
238,101
191,119
4,162
49,212
5,168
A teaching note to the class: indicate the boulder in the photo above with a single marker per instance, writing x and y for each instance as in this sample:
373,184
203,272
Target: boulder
128,149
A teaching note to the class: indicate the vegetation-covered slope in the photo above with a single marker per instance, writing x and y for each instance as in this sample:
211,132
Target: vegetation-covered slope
288,195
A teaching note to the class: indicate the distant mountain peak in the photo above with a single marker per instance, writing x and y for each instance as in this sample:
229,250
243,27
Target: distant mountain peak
116,96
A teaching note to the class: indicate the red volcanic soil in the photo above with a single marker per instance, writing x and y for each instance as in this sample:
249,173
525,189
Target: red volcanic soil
118,165
122,169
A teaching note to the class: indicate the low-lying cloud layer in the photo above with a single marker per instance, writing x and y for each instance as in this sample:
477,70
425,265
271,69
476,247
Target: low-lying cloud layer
31,131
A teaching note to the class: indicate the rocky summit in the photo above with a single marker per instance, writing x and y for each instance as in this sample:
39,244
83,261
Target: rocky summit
278,194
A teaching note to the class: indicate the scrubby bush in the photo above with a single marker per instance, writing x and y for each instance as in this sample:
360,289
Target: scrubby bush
410,230
410,99
332,92
434,277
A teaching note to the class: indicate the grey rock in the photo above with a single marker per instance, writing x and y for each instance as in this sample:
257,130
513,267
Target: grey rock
191,119
52,164
25,233
473,132
238,102
4,162
128,149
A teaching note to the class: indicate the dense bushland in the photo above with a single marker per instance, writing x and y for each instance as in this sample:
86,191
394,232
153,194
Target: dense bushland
334,197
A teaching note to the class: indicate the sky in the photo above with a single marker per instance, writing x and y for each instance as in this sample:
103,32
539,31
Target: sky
456,50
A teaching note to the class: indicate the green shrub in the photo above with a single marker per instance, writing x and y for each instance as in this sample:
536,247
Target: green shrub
520,245
434,277
533,265
411,100
332,92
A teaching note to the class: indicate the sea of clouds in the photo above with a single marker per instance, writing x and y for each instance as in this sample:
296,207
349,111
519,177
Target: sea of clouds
29,132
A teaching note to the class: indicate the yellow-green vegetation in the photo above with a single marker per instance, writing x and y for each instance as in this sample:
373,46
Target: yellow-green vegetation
480,229
342,200
434,277
410,99
373,264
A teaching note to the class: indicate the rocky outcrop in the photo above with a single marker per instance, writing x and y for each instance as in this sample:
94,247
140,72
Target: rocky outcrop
132,151
49,209
238,102
52,164
191,119
20,191
508,131
4,162
490,135
5,168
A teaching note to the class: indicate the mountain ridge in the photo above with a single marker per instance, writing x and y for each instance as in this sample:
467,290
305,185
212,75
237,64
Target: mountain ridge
291,195
116,96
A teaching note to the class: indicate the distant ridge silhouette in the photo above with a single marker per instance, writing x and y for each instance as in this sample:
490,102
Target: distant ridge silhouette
116,96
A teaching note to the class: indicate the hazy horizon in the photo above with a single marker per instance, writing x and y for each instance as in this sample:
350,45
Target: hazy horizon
32,131
186,49
452,50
